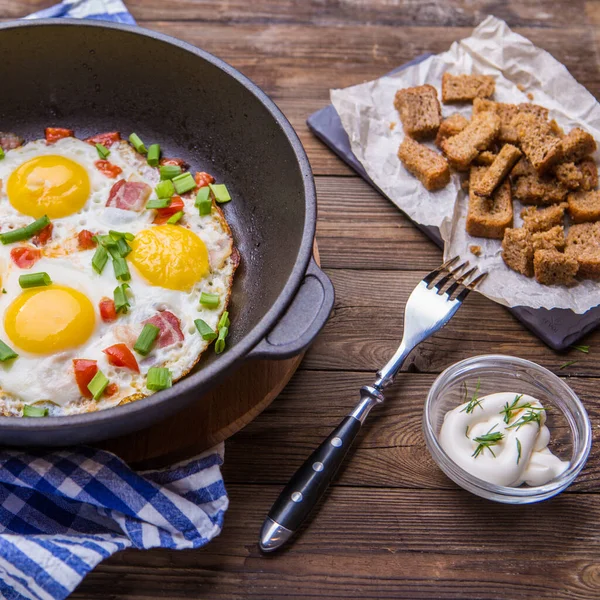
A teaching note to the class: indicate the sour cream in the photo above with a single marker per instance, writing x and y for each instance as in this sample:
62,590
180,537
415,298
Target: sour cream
501,438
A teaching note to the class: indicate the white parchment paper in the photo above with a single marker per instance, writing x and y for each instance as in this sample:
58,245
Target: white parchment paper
367,112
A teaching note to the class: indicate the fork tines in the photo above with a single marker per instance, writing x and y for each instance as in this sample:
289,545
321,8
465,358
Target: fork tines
452,274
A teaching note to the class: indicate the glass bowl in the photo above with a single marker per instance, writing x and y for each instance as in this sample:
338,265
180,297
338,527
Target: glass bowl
567,419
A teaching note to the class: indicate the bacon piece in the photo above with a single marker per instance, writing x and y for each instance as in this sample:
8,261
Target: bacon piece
164,214
111,389
25,256
86,240
53,134
120,355
106,139
129,195
84,373
108,312
169,328
10,141
107,168
176,162
203,179
43,236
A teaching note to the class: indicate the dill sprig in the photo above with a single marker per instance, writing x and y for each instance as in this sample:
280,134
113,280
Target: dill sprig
518,450
533,415
474,401
510,410
467,432
567,364
487,441
584,349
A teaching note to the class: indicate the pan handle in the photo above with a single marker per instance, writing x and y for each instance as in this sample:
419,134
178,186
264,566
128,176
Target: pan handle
303,319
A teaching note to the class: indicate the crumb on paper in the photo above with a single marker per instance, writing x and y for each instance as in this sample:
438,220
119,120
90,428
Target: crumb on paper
465,184
530,96
476,250
392,125
521,87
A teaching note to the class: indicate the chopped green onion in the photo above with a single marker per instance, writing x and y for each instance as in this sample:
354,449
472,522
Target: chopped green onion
224,320
165,189
137,143
158,203
220,191
146,339
24,233
107,241
220,343
103,151
159,378
123,247
154,155
129,236
1,153
98,384
204,201
169,171
34,411
121,269
184,183
6,353
205,330
99,259
120,297
209,300
174,218
115,235
34,280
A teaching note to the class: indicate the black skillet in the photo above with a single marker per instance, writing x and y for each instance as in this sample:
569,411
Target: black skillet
95,77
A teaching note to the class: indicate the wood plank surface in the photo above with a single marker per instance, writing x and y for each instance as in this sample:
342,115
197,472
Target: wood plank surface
392,525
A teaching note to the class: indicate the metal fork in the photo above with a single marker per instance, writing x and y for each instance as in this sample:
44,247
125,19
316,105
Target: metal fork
430,306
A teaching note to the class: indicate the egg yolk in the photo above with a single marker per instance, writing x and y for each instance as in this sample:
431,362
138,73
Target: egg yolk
170,256
48,185
49,319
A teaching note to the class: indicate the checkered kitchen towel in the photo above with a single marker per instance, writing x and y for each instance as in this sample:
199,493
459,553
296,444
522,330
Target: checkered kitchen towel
62,512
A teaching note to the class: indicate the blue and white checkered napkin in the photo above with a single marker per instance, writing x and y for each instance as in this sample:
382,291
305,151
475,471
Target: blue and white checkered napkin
63,512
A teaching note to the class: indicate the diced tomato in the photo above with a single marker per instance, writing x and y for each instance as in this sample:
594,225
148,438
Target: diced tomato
111,389
203,179
120,355
53,134
25,256
84,373
164,214
44,235
108,312
107,168
177,162
106,139
86,240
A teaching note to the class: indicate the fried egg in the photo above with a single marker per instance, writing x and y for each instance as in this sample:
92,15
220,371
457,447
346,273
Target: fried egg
50,326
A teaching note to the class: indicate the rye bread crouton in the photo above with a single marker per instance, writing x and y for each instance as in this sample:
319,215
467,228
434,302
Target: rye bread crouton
488,216
577,144
531,189
498,170
553,239
453,125
589,171
426,165
465,88
522,168
583,244
584,206
419,110
485,159
569,175
477,136
538,141
543,219
517,251
554,268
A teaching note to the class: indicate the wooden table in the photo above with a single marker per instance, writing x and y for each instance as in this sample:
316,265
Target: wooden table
393,526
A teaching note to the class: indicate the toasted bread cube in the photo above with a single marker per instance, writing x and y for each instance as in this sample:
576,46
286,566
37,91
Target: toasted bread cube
425,164
584,206
477,136
465,88
553,239
542,219
498,170
453,125
532,189
539,111
517,251
419,110
569,175
485,158
583,244
539,143
577,144
488,217
554,268
522,168
589,171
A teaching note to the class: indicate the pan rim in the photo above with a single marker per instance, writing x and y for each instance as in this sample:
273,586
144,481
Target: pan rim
235,355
